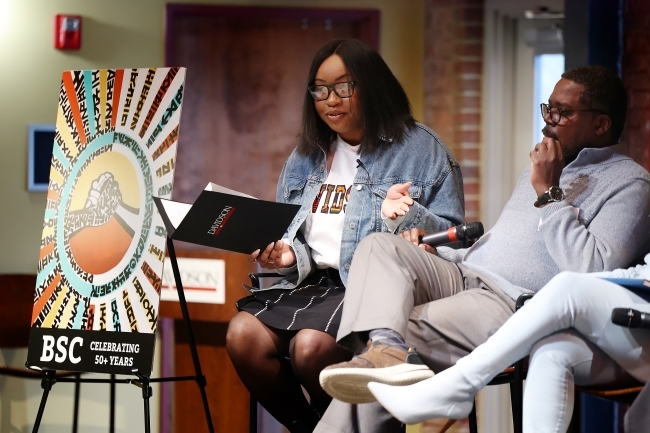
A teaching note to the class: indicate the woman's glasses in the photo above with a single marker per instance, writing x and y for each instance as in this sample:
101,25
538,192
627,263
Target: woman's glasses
322,92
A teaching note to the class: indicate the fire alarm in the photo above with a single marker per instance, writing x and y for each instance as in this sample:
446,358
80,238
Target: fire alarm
67,32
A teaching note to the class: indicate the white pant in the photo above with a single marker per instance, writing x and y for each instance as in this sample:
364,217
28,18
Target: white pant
566,328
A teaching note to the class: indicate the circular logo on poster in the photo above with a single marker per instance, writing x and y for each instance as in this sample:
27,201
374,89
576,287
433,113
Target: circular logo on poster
107,215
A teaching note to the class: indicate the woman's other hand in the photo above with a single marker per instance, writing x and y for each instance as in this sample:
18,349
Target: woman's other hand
414,236
397,201
276,255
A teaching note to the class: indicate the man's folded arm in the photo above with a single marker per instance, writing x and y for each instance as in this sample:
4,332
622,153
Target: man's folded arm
617,235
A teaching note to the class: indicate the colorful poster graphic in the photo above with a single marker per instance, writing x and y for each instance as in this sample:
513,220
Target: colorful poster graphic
103,243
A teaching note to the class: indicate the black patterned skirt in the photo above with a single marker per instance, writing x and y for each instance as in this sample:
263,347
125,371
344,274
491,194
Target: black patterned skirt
316,303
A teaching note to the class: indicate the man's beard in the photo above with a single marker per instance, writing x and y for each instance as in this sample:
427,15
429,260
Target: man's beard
547,133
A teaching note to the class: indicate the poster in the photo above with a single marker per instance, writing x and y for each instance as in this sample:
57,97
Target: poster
103,244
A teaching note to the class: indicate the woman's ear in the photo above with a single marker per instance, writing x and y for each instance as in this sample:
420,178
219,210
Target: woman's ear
602,124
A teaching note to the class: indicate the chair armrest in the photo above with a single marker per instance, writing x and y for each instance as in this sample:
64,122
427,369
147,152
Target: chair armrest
521,300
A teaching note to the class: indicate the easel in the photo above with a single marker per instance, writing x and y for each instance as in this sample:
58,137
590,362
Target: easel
143,382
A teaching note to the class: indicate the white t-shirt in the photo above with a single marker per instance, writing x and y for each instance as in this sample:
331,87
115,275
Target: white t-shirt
323,227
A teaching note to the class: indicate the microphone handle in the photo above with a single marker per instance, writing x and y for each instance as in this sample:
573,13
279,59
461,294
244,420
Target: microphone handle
465,231
436,239
630,318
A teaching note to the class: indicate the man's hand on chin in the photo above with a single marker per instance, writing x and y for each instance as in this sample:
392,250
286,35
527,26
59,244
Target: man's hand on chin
547,163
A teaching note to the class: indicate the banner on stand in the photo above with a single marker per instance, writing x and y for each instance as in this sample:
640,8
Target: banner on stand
103,245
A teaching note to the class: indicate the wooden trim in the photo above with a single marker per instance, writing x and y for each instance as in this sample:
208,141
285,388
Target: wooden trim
611,393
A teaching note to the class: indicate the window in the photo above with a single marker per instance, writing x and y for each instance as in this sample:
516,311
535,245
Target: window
548,68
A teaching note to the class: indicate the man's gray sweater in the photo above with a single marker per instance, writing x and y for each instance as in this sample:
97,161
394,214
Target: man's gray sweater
602,224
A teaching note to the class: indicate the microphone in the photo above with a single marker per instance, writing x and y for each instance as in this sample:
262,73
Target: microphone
466,231
630,318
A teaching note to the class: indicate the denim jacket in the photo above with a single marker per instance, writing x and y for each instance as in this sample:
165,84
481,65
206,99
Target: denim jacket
422,158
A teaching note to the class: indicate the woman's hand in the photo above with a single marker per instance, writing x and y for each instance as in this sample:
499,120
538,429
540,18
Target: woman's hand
414,236
397,201
276,255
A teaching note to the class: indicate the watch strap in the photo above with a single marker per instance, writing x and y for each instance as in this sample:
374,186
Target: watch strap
542,199
548,196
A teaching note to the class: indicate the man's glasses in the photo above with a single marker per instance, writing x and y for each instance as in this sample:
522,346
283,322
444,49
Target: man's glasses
556,114
322,92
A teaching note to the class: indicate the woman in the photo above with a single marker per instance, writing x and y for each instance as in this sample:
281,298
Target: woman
567,331
362,165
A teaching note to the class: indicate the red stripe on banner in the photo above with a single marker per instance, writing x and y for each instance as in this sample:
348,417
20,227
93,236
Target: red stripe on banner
117,89
160,94
169,140
208,289
74,105
45,251
91,317
45,296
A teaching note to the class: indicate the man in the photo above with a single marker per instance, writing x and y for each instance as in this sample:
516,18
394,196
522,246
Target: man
581,206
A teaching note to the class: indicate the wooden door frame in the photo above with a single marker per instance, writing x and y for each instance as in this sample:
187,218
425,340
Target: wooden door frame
367,18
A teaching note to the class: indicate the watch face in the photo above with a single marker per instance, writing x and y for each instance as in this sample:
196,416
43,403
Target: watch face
556,193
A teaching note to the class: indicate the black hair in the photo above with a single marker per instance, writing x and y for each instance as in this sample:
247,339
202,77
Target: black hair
385,109
603,91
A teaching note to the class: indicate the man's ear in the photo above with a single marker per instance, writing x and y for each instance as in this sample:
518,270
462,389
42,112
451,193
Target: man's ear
602,124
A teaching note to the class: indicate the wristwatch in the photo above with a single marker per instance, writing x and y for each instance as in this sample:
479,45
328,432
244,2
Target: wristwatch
551,195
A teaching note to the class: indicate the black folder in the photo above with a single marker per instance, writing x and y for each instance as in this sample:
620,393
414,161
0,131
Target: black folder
231,222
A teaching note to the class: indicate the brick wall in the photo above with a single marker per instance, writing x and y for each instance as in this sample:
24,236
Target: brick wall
452,85
636,76
452,100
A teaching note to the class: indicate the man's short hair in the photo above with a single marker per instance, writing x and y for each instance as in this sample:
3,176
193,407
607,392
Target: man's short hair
603,91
